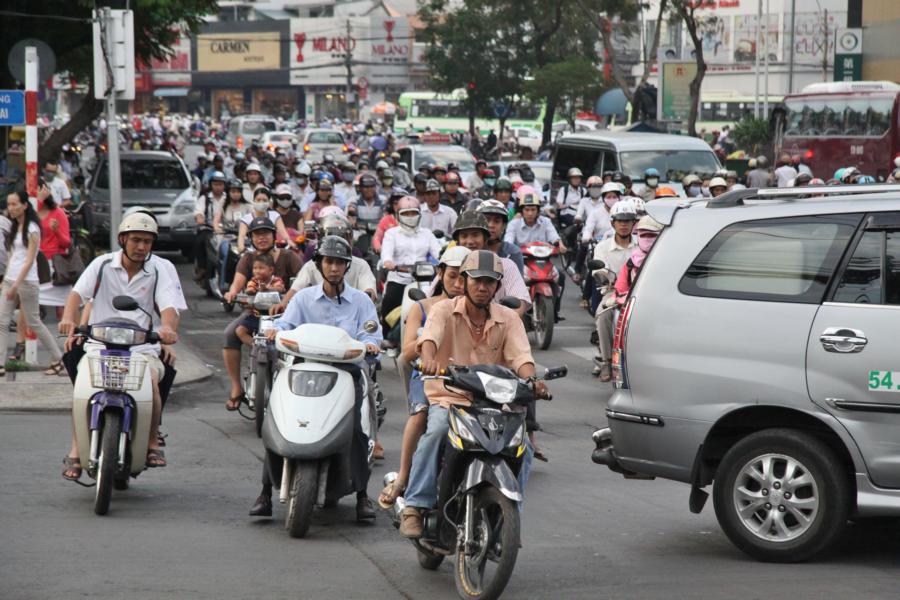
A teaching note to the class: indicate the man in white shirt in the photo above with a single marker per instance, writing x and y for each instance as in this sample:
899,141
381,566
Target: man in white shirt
128,272
785,173
436,216
58,188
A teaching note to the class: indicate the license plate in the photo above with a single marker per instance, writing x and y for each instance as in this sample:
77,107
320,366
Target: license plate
884,381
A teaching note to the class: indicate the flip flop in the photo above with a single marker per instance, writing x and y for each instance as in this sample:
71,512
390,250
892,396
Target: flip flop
156,458
72,463
235,403
393,491
539,454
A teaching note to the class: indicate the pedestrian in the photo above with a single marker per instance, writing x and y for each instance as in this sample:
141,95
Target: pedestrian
21,280
56,239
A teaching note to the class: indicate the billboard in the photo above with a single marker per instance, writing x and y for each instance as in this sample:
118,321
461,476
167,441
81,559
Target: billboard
674,98
256,51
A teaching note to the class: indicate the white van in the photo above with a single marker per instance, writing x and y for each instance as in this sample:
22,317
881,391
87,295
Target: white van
246,129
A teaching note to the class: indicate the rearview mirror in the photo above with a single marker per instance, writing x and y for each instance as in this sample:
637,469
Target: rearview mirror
415,294
556,372
595,264
438,233
511,302
125,303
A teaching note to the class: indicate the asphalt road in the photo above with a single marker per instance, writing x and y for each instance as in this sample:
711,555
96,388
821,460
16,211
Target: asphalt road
183,531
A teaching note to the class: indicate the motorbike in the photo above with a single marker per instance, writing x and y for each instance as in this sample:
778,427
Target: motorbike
258,372
218,280
308,422
112,403
542,279
476,518
423,274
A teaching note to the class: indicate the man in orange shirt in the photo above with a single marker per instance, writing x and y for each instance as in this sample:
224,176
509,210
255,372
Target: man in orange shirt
466,330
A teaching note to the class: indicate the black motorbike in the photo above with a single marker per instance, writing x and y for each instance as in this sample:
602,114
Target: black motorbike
476,518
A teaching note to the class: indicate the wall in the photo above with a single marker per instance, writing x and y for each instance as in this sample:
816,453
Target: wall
881,20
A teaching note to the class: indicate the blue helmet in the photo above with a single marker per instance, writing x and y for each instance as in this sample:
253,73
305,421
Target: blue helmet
865,179
651,172
839,174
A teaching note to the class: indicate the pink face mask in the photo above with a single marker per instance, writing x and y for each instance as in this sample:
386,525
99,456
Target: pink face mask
610,199
645,242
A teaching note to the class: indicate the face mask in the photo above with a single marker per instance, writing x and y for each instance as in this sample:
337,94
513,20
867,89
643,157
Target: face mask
348,176
409,221
694,190
594,193
301,181
645,243
490,182
652,181
285,203
260,206
705,191
609,202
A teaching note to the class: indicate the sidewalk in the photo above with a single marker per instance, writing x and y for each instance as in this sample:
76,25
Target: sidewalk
34,391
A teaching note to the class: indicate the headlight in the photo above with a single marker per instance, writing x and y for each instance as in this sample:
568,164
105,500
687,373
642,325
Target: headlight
266,300
518,438
425,272
120,336
312,384
497,389
540,251
183,208
459,427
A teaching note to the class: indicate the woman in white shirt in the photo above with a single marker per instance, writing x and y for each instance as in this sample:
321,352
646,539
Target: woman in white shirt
404,245
21,242
262,207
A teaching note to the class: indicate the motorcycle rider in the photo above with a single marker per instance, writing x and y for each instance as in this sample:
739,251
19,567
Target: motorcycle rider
452,195
262,208
437,216
467,330
569,196
286,207
369,206
651,181
496,215
127,272
287,264
598,225
253,176
489,179
301,188
345,187
332,303
207,207
324,198
647,230
693,187
614,251
533,226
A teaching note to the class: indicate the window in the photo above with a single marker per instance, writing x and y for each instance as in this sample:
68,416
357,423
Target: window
325,137
672,165
147,174
586,159
892,267
445,156
854,116
258,127
861,281
778,260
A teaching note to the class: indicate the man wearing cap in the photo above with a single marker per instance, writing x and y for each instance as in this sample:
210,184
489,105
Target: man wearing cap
453,196
436,216
466,330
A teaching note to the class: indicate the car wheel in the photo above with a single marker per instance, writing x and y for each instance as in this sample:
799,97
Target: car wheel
781,495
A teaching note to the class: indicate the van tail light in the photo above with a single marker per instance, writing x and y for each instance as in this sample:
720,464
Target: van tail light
345,149
808,155
306,148
239,142
619,370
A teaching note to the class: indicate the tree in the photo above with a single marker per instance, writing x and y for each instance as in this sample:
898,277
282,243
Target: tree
686,9
565,84
751,134
66,27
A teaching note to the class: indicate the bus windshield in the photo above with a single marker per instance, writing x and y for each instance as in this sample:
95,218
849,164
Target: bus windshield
673,165
831,116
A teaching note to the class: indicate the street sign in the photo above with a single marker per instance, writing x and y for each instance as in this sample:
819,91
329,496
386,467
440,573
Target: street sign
501,110
362,83
848,55
116,56
46,59
674,98
12,107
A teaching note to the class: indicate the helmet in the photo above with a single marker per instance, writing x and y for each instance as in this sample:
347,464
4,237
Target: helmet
802,179
139,222
235,184
455,256
689,179
651,172
324,182
334,224
493,207
751,163
864,179
253,167
218,176
648,223
348,166
420,178
432,185
335,247
482,263
381,164
367,180
528,196
439,167
328,158
407,203
488,173
303,169
839,174
283,189
574,172
613,187
623,210
396,193
452,167
638,204
452,177
665,192
717,182
261,223
816,181
594,180
470,219
849,172
503,184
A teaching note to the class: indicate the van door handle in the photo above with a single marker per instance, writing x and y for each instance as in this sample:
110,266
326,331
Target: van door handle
843,340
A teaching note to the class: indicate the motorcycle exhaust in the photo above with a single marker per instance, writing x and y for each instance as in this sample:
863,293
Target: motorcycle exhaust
285,488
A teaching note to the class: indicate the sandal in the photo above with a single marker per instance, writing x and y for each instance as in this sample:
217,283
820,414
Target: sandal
73,469
156,458
390,493
18,351
539,454
56,368
235,403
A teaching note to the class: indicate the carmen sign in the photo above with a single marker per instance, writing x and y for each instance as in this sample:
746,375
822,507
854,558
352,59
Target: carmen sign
238,51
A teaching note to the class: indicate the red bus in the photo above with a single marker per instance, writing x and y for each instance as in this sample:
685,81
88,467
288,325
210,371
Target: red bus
842,124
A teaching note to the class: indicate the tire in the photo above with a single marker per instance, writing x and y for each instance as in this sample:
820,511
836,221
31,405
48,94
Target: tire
786,455
260,396
503,517
85,248
304,488
228,306
429,561
543,321
207,288
121,483
109,456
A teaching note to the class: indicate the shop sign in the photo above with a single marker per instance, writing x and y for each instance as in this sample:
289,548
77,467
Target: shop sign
674,98
176,70
255,51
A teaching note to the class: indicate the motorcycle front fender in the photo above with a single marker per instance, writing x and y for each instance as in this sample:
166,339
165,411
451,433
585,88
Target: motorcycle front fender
544,288
494,471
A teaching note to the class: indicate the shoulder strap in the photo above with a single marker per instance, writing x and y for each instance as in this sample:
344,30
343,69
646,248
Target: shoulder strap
155,281
100,275
422,308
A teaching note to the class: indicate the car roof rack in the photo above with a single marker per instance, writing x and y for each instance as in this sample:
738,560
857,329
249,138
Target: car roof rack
737,197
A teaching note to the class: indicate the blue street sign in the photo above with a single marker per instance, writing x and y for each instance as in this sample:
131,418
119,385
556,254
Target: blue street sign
501,110
12,107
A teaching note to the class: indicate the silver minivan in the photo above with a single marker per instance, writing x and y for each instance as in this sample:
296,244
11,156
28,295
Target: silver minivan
244,130
596,152
758,353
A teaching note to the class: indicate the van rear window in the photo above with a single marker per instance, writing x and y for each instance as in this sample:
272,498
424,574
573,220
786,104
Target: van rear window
778,260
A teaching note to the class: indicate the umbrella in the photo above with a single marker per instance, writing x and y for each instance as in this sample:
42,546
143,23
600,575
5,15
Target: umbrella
612,102
384,108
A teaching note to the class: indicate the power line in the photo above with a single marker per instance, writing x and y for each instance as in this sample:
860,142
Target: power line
12,13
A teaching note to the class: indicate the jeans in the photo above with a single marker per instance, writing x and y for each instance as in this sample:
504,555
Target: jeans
224,249
422,489
28,293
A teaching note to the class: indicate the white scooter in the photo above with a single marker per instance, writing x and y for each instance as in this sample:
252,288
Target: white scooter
112,403
309,420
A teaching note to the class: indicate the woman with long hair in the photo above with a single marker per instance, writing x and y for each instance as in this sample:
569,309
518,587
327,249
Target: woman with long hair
21,280
55,239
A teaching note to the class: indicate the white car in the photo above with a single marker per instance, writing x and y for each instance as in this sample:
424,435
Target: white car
274,141
527,137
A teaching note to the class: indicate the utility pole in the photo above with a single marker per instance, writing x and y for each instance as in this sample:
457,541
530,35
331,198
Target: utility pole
765,113
348,62
791,63
825,48
756,57
112,132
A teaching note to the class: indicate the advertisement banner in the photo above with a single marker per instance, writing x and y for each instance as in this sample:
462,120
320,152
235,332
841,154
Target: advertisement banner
257,51
176,71
674,96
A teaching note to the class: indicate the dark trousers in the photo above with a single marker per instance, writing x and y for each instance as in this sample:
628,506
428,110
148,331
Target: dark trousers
359,443
200,242
393,297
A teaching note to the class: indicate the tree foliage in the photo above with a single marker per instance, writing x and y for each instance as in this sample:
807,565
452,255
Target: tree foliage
687,9
566,84
751,134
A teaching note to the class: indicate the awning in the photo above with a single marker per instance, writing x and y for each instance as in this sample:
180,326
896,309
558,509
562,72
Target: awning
612,102
175,92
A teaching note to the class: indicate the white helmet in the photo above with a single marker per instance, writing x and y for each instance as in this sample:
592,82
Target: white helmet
623,210
454,257
303,169
648,223
574,172
253,167
612,186
717,182
638,204
139,222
